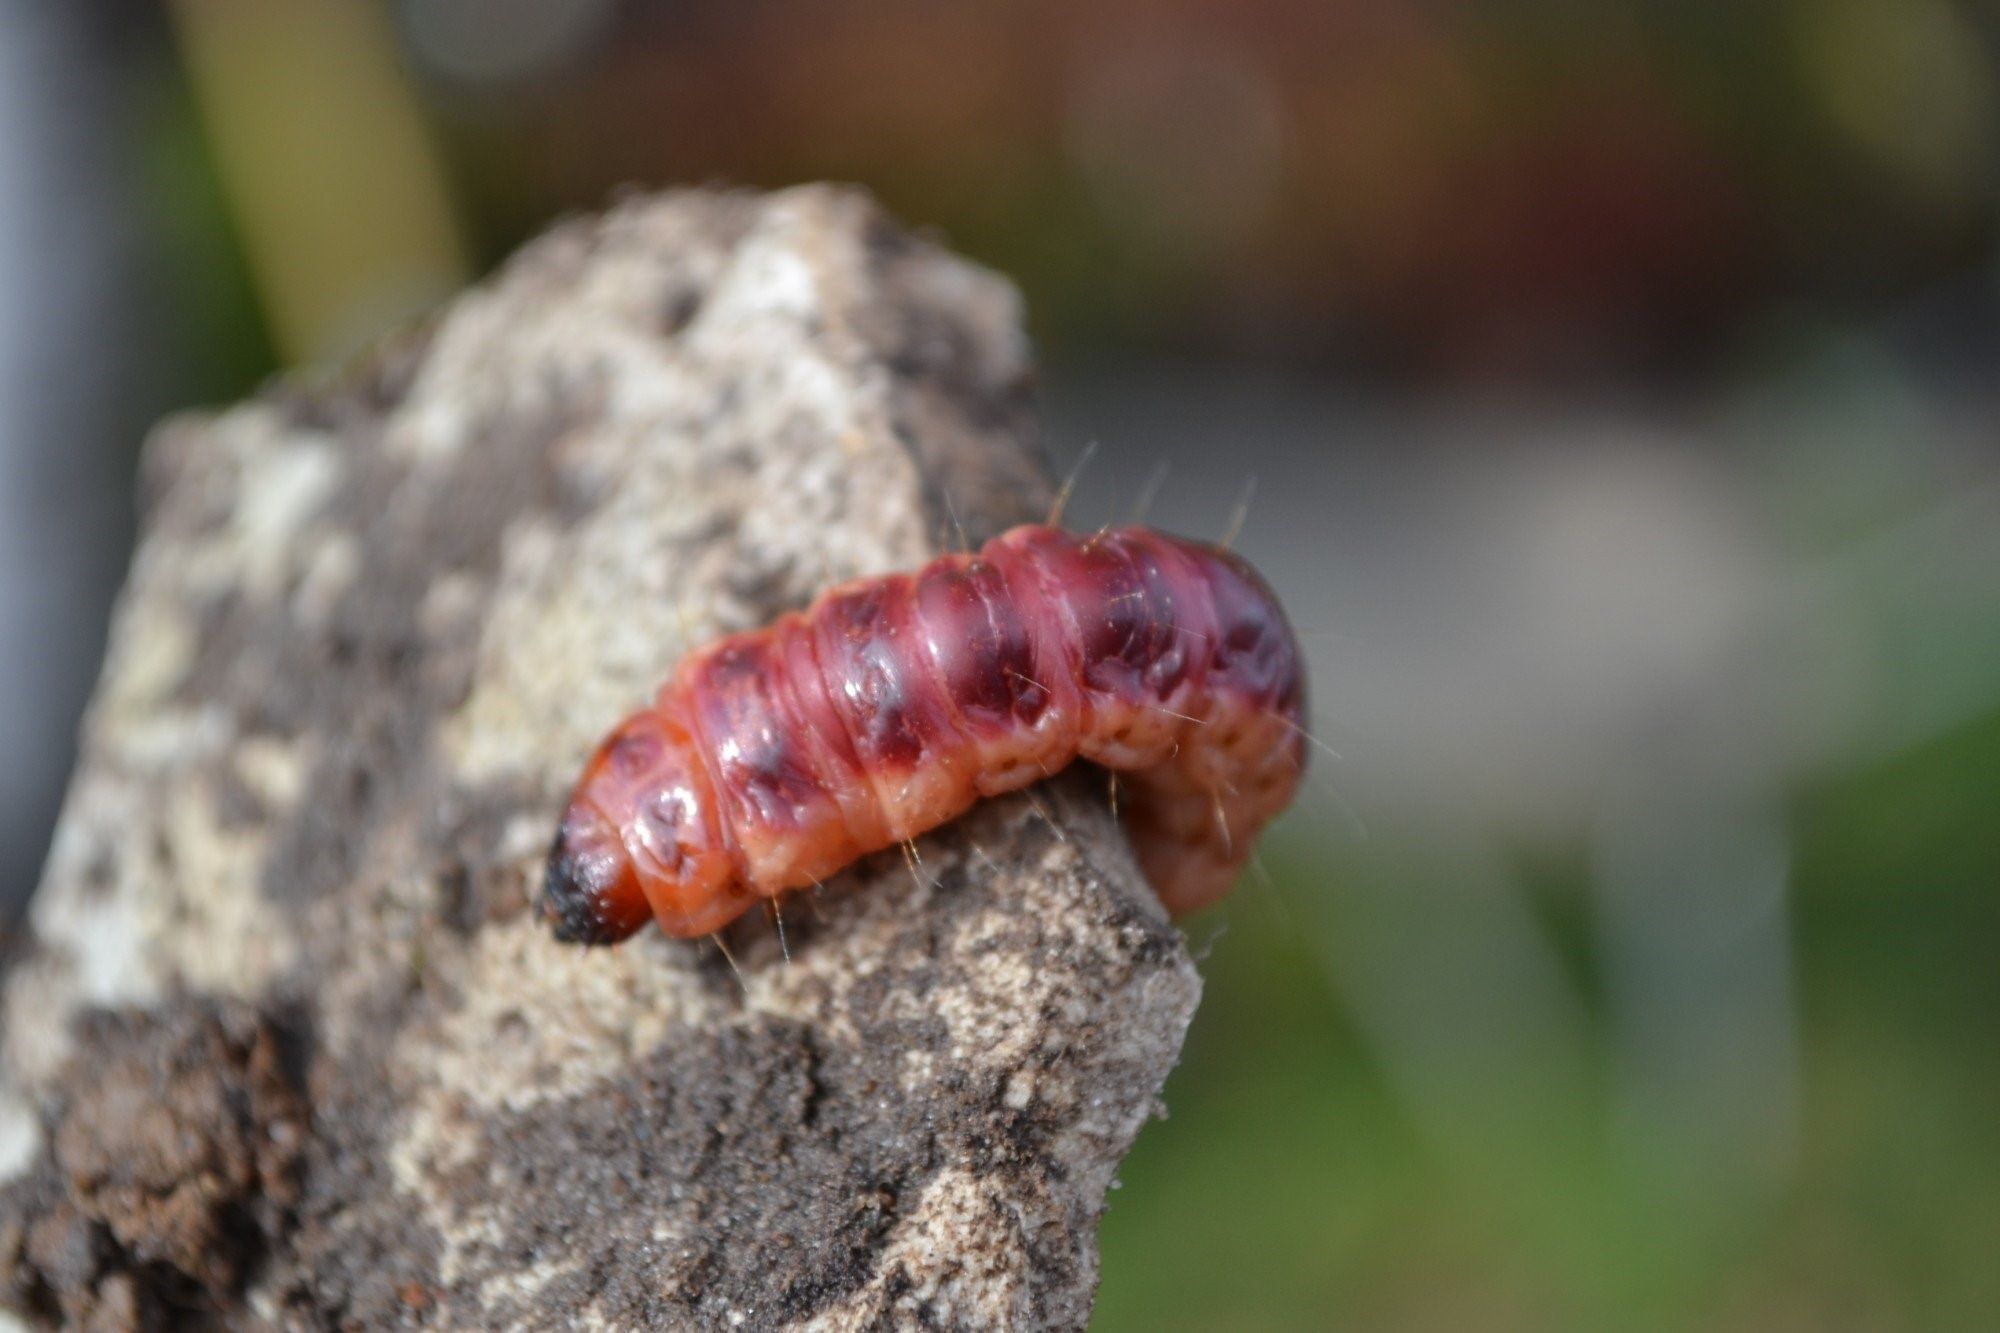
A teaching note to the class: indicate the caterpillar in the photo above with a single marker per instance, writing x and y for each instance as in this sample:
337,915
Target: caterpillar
775,757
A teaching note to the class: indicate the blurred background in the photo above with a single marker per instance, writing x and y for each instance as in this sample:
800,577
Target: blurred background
1617,380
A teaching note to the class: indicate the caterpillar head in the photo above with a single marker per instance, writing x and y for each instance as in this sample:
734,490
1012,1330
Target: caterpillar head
641,841
590,894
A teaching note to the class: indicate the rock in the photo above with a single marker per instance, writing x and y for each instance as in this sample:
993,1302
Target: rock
375,623
173,1164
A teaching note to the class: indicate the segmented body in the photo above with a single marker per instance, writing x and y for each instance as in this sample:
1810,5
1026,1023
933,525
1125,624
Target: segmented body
774,758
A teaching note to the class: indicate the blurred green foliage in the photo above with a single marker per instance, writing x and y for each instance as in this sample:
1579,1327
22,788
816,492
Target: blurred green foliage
1290,1186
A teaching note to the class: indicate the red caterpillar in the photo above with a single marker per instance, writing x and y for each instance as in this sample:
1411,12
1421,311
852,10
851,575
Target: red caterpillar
776,757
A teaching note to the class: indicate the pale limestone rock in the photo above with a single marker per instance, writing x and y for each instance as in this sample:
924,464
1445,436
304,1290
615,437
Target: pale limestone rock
374,625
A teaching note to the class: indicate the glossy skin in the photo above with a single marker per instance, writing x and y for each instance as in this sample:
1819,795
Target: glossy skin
777,757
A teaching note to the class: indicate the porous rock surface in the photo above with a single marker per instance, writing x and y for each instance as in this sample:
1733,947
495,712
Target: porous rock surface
284,1043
